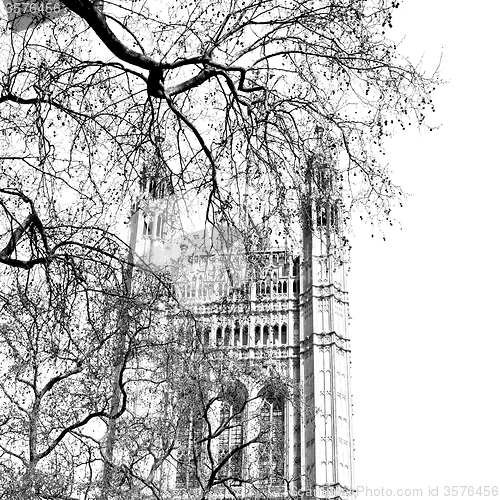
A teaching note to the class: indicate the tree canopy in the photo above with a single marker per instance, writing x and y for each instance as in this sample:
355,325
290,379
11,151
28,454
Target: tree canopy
221,100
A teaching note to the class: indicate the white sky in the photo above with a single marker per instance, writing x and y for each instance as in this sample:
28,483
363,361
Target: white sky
425,329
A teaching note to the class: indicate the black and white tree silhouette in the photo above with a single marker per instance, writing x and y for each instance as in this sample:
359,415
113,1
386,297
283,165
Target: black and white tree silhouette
221,102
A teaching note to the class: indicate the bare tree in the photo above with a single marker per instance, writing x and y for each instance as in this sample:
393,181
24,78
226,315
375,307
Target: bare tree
185,414
221,102
212,434
64,352
226,97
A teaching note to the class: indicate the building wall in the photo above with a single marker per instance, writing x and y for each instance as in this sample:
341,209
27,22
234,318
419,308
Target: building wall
302,296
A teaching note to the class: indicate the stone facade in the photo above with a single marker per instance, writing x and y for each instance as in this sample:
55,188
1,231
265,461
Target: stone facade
286,311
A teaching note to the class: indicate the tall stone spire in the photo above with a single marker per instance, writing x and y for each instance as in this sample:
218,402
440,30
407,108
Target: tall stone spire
327,445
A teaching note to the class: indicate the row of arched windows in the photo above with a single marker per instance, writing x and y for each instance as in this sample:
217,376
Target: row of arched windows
265,287
266,335
231,336
239,335
198,288
154,186
327,215
203,290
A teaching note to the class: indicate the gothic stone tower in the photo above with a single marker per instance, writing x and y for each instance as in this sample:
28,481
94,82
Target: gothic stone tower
327,444
296,319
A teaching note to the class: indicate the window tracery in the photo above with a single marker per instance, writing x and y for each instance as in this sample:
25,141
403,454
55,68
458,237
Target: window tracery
271,463
189,438
230,449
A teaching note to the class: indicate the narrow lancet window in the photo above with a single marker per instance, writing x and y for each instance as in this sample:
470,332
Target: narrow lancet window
271,465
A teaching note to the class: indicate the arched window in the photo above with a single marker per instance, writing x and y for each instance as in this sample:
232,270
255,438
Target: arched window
227,335
275,281
152,187
334,216
245,335
206,335
147,229
265,335
276,334
257,335
159,226
322,180
189,438
321,216
230,450
271,462
237,331
284,340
